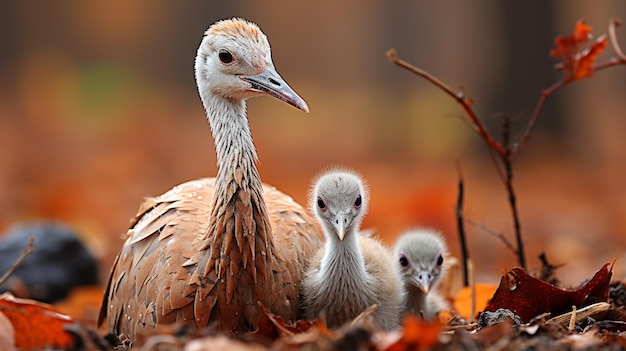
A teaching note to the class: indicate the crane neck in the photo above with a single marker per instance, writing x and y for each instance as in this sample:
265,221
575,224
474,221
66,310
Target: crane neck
231,133
238,191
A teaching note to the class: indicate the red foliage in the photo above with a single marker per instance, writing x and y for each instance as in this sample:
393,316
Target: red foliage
37,325
576,62
529,297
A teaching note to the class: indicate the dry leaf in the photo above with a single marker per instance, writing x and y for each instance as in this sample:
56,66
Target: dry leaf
271,325
7,334
417,335
463,299
577,62
528,297
37,325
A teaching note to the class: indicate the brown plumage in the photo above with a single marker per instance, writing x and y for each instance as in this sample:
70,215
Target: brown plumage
208,251
351,272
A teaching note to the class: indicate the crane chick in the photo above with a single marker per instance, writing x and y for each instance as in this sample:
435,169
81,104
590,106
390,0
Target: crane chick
351,272
420,261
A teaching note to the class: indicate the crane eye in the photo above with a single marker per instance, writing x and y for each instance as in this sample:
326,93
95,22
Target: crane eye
440,260
321,204
403,261
225,56
357,202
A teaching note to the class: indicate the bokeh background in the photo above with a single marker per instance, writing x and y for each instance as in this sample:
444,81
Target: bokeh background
98,108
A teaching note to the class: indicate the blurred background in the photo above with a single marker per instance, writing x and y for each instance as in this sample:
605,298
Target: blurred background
98,108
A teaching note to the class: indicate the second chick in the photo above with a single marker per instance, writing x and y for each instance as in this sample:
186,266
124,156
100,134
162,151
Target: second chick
420,259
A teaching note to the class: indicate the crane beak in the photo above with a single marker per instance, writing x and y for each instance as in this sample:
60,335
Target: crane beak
421,281
271,83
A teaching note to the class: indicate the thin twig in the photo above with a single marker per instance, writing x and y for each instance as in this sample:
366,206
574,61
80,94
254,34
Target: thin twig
466,104
545,94
572,320
27,251
613,37
461,225
510,189
509,152
493,233
548,269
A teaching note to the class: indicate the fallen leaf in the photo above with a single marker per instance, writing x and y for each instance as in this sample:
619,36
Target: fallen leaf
271,325
463,299
528,297
83,304
416,335
7,334
37,325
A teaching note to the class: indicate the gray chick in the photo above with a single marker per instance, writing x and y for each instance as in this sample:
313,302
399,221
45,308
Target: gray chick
351,272
420,257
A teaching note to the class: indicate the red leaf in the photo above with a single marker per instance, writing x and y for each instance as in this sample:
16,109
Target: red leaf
582,32
529,297
577,62
583,69
37,325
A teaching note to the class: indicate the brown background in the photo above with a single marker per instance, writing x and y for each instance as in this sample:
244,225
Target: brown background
98,109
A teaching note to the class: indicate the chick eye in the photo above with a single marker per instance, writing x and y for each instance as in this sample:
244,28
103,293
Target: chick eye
321,204
403,261
225,56
357,202
440,260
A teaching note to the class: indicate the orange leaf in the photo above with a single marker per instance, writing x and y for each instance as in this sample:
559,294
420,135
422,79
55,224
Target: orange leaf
577,62
37,325
582,32
463,299
82,304
416,335
583,69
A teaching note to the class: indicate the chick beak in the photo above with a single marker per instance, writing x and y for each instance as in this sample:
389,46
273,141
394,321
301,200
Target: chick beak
340,225
421,281
271,83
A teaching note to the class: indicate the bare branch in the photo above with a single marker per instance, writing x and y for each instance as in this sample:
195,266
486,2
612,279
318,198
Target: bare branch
30,247
510,189
613,37
548,270
493,233
466,104
461,225
545,94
